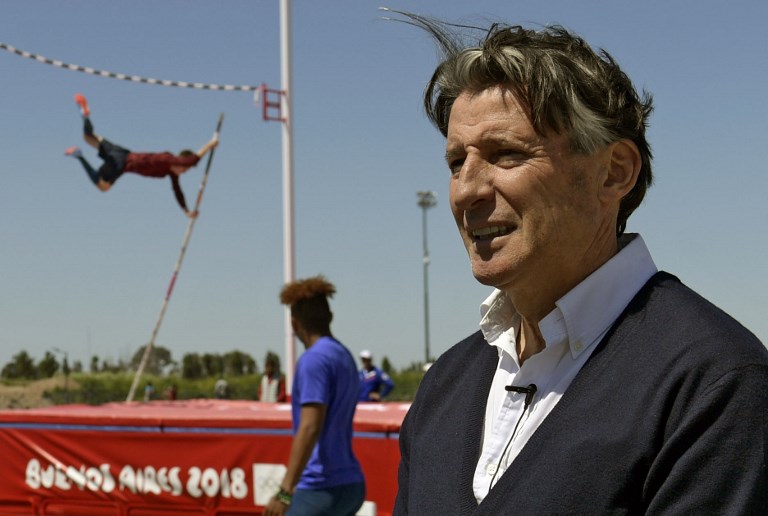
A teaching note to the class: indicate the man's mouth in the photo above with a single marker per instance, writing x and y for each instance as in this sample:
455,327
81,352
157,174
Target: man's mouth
490,232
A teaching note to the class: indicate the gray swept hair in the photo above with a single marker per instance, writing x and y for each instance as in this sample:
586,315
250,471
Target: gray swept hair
567,87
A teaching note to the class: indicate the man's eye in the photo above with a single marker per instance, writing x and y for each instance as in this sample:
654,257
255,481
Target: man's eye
508,155
455,165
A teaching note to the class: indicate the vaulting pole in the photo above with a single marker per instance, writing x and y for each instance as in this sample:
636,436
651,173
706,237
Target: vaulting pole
190,226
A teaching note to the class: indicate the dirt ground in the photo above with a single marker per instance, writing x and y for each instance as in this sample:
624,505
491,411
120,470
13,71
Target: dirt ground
30,395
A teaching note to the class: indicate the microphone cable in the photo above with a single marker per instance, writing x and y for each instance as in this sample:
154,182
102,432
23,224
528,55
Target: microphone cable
529,392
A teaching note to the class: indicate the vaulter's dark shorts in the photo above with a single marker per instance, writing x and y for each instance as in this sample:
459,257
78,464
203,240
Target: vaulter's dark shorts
114,158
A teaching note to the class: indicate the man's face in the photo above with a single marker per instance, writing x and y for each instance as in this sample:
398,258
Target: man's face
527,208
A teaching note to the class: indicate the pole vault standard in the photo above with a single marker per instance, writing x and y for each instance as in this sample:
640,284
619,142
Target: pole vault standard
289,265
182,252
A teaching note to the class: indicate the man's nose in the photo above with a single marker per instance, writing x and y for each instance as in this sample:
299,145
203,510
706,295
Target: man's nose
472,185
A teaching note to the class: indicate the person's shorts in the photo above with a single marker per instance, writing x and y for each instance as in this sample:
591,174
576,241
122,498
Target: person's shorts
114,158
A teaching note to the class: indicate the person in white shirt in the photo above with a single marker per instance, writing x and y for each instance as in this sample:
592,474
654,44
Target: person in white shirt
596,384
272,386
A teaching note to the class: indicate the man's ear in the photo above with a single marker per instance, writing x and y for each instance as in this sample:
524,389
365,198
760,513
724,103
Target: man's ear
297,328
296,325
623,169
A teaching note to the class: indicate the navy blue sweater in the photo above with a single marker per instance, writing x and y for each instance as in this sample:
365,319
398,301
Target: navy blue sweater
668,416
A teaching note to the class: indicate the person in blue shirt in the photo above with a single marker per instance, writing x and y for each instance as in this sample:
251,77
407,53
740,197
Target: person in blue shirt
375,384
323,475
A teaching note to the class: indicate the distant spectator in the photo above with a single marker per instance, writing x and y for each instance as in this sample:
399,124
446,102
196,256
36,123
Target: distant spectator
170,392
272,387
149,391
375,384
221,389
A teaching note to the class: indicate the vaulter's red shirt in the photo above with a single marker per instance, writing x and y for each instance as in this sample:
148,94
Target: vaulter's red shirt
156,164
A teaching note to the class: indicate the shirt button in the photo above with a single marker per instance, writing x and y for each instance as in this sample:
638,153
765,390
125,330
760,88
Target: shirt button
578,346
491,469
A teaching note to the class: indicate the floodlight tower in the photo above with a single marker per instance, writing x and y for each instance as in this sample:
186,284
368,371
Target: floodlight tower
427,200
64,369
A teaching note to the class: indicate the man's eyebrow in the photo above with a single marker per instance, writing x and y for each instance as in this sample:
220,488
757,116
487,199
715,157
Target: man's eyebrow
449,155
492,138
452,152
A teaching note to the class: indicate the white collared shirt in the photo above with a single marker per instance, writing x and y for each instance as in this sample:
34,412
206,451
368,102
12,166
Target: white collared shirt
571,331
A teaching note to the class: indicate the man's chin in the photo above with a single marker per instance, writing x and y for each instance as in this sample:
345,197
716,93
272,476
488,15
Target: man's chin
487,277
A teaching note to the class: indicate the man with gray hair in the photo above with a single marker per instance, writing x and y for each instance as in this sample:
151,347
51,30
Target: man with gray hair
596,384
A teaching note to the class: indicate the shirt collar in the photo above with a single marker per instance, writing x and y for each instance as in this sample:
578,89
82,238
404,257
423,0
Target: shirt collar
587,311
497,315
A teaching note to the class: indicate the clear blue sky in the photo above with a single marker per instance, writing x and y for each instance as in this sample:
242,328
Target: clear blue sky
87,271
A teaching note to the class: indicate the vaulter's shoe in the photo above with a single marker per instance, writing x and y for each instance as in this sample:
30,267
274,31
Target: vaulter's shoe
74,151
80,100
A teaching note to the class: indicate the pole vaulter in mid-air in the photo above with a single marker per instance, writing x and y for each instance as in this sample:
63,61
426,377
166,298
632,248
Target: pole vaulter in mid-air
118,159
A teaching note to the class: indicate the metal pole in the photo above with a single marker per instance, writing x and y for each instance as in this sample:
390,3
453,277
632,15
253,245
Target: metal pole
426,200
288,227
65,370
426,286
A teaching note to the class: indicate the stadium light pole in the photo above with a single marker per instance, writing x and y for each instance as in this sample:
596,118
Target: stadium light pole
64,369
427,200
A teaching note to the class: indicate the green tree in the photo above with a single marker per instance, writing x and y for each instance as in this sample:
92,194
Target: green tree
191,366
109,367
21,366
159,360
237,363
250,365
48,366
386,366
414,367
95,364
213,365
233,363
407,383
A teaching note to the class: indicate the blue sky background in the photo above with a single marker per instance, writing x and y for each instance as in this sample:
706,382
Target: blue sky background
87,271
